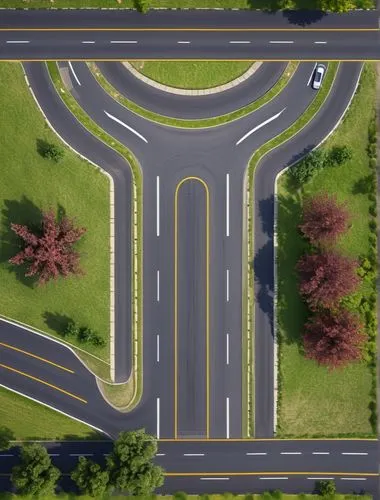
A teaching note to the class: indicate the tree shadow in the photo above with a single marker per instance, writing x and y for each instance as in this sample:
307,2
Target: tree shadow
56,321
18,212
266,215
364,185
303,17
42,147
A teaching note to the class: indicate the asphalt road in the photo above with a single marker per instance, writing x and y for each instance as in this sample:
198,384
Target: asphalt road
192,107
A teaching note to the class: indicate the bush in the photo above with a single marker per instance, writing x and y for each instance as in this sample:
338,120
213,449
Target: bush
52,152
338,155
326,487
84,334
308,167
71,330
142,6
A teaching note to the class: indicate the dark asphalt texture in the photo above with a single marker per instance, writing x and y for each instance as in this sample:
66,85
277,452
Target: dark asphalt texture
192,107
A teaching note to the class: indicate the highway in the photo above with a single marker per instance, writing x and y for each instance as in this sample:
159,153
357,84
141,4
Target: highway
111,35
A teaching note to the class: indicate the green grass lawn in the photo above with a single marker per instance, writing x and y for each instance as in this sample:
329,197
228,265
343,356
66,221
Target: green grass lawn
192,74
315,401
30,183
30,420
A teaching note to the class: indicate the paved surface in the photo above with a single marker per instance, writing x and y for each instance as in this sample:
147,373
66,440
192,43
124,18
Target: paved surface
194,107
211,39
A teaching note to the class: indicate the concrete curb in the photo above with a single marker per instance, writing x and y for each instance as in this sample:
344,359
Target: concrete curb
275,232
112,232
197,92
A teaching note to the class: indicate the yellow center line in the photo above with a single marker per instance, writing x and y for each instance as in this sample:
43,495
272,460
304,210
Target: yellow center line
198,179
226,30
42,382
36,357
276,473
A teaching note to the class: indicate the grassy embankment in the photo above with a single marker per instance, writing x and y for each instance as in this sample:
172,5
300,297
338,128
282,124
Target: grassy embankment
313,400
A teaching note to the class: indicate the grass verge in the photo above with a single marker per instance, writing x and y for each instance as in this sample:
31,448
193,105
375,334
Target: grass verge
32,421
348,407
248,331
207,122
97,131
30,184
192,74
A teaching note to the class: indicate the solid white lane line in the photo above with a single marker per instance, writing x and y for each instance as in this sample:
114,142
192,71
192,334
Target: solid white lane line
88,41
291,453
183,42
321,453
126,126
259,126
214,478
271,478
158,418
320,478
281,41
354,454
353,478
160,454
227,204
193,454
158,205
239,41
74,74
17,41
228,418
228,349
158,348
321,43
311,75
256,454
81,454
158,286
123,41
228,285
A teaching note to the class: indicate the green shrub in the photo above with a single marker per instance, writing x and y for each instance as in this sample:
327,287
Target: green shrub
142,5
326,487
52,152
308,167
71,330
338,155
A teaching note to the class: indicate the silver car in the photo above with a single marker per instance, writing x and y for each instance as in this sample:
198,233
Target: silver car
319,73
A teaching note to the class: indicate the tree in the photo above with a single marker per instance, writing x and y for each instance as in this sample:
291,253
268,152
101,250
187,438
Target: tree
325,278
50,252
337,5
6,436
324,220
52,152
333,339
326,487
142,6
338,155
308,167
130,464
90,478
35,475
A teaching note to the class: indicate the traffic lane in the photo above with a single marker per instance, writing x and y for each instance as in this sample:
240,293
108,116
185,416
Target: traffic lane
260,483
191,107
119,45
96,18
109,160
265,175
192,307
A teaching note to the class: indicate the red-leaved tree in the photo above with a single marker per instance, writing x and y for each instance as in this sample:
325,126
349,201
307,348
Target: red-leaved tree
324,219
326,277
334,339
50,253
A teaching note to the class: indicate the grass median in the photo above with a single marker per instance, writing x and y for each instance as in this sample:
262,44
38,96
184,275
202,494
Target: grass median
248,327
137,370
203,123
344,409
30,184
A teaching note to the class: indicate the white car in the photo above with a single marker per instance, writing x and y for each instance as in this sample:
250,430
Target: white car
319,73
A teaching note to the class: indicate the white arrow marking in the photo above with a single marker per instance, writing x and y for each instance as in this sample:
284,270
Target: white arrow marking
73,72
126,126
259,126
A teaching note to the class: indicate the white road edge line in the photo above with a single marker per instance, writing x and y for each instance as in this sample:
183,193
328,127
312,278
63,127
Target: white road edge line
259,126
123,41
239,41
291,453
256,454
17,41
311,75
281,41
158,418
214,478
73,72
193,454
183,42
158,205
228,418
158,348
227,205
158,286
228,285
354,454
125,126
227,349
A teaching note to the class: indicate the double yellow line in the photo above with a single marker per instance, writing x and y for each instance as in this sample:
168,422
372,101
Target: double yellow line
187,179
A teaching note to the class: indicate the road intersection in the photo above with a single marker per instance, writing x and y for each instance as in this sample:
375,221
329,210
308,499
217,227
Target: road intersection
193,248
